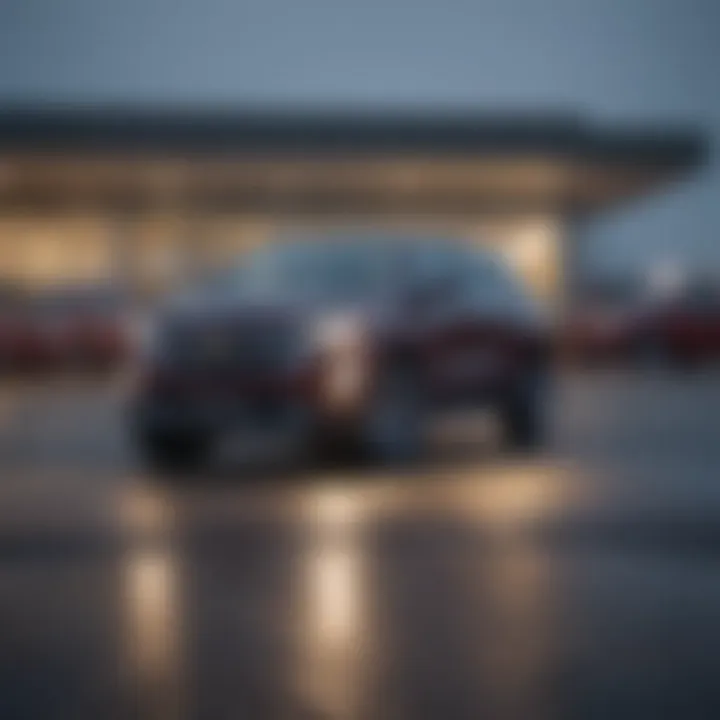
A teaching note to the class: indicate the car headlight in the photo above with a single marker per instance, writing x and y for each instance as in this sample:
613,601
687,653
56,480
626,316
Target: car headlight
342,343
339,333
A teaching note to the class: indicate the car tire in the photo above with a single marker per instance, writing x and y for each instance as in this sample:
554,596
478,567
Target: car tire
173,453
523,413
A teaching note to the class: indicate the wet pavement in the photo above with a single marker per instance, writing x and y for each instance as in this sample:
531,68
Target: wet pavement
582,583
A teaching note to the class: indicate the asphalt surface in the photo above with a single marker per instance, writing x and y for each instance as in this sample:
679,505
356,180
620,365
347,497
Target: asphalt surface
582,583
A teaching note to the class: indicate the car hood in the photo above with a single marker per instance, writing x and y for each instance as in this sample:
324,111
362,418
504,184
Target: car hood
257,308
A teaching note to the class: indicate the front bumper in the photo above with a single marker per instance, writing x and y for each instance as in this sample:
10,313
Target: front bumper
220,416
290,403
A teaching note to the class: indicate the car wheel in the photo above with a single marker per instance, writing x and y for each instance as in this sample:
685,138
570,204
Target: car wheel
394,425
173,453
523,412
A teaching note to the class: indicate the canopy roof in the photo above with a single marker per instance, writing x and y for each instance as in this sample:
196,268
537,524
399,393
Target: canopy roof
331,161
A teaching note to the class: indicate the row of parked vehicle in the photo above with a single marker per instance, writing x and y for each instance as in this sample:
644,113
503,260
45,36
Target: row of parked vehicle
86,328
681,329
91,328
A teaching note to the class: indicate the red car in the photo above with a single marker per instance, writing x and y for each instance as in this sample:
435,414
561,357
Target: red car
83,327
24,343
598,332
356,343
683,329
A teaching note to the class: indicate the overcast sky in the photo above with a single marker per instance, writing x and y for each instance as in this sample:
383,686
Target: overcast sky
657,60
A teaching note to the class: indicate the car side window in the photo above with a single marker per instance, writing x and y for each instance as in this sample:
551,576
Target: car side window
467,280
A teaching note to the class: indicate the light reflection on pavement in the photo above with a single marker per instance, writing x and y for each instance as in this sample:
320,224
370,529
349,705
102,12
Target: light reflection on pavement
338,525
476,586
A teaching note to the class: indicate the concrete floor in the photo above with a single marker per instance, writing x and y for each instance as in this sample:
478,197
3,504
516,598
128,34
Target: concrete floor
580,584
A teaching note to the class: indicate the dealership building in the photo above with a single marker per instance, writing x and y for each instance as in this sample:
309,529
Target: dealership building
150,197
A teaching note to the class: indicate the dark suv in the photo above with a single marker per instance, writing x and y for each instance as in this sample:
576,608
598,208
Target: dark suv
341,342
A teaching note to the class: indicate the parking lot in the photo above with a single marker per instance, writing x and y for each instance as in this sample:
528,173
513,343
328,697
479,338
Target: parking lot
581,583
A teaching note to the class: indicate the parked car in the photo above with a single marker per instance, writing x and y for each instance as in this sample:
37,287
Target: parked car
354,343
25,343
82,327
682,329
598,332
97,333
11,309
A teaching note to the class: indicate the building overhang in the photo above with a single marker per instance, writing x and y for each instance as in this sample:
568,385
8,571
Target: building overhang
330,163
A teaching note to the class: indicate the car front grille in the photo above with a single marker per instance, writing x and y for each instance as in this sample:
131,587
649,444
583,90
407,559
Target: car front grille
217,347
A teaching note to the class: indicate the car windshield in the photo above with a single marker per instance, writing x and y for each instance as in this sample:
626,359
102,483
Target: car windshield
323,270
